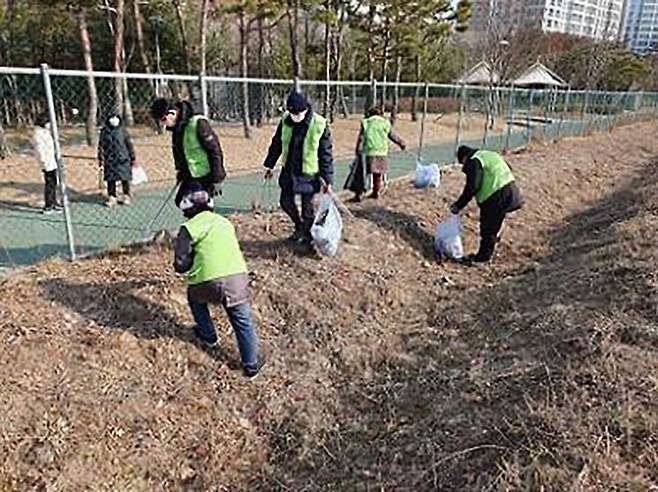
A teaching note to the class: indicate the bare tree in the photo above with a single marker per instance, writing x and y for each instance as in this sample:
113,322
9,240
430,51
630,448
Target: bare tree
92,107
139,32
205,6
183,35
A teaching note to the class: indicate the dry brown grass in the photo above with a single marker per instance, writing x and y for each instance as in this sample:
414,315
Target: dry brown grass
385,370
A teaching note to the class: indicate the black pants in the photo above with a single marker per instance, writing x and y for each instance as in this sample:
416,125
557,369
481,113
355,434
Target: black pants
491,221
287,202
112,188
206,183
50,188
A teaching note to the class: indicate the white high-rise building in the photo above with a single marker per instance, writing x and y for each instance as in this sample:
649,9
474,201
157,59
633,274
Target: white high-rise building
640,26
597,19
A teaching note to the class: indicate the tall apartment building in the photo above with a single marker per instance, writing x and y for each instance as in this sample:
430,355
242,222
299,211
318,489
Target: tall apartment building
597,19
640,26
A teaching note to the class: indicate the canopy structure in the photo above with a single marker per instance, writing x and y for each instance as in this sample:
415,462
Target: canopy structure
480,74
539,76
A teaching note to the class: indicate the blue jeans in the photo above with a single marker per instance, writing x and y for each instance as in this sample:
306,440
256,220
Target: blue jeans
243,326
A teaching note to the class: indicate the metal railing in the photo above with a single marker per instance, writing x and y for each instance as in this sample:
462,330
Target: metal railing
433,119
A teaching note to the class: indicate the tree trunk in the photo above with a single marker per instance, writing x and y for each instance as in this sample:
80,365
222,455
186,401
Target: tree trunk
183,35
244,73
416,96
205,5
139,32
4,148
327,61
118,54
396,92
371,57
293,21
382,102
92,108
261,72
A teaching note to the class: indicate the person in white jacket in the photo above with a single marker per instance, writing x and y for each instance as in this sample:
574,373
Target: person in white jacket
44,148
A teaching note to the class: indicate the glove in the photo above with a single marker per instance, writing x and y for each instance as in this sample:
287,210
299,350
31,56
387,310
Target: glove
454,209
216,189
269,174
403,147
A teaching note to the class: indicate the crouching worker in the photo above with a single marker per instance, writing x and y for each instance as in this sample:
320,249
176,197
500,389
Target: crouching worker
490,180
207,250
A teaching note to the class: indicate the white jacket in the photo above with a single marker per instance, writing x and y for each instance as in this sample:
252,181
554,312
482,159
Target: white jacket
44,148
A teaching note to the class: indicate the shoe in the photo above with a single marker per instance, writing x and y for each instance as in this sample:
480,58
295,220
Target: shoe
206,342
126,200
296,236
306,239
473,260
58,208
373,196
111,202
251,372
48,211
355,199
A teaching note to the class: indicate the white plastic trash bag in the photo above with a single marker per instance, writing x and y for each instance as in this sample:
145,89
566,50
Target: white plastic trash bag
139,176
427,175
448,241
327,226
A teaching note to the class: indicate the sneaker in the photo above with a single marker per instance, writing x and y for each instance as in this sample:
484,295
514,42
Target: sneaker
206,342
48,211
111,202
126,200
251,372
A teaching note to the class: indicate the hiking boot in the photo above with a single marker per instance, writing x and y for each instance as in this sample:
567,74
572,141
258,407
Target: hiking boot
208,343
111,202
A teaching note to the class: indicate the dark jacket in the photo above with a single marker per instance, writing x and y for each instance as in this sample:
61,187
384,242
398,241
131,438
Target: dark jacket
291,174
208,139
228,291
116,153
507,199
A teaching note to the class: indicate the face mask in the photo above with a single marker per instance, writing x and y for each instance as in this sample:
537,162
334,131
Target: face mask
114,121
299,117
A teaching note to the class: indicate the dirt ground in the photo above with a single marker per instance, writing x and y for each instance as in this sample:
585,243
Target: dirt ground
385,369
21,182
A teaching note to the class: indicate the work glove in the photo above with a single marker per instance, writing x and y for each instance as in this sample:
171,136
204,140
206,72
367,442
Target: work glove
454,209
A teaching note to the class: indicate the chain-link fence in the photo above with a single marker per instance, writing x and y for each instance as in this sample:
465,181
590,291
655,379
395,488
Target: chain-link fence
432,119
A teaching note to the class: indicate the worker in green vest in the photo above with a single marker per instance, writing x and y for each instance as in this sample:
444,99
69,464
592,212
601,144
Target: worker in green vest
303,142
207,250
490,180
372,144
197,152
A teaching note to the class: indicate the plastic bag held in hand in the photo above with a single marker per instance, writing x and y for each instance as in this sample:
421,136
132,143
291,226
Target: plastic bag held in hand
327,227
427,175
139,176
448,241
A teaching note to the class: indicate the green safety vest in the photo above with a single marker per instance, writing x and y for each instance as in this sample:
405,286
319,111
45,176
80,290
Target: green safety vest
310,164
216,250
495,174
375,136
195,154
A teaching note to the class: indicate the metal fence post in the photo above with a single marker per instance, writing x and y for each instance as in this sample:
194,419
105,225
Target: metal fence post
527,118
564,112
203,84
510,117
54,130
422,121
462,101
584,118
487,114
